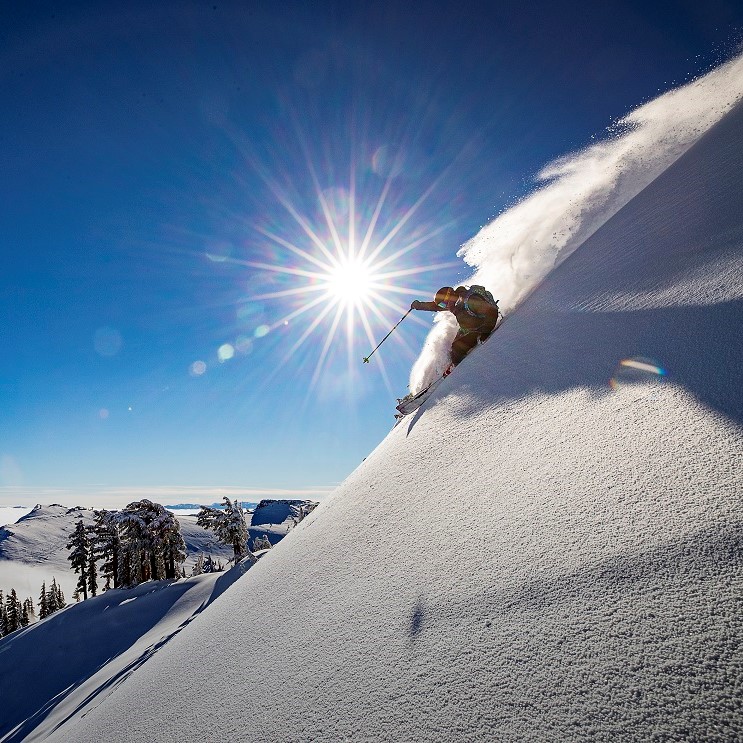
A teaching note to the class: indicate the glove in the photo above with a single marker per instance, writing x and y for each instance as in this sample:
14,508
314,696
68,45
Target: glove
414,304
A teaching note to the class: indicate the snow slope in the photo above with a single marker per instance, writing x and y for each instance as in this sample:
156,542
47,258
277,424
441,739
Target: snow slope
56,670
537,554
276,518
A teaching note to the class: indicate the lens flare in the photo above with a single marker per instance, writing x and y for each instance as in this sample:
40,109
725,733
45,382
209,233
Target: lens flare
636,369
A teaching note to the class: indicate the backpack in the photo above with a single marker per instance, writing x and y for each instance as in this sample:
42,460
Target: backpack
480,291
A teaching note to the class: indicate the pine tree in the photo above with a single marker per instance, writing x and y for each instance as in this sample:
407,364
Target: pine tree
261,543
25,619
54,598
106,546
29,604
12,612
152,547
61,603
43,602
79,557
229,525
2,616
92,575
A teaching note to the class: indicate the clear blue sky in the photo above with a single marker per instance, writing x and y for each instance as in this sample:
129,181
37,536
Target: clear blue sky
174,181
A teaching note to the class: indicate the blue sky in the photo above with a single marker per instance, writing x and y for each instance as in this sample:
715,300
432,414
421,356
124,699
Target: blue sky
174,184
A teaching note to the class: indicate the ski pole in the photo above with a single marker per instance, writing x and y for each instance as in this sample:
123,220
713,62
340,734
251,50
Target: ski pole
366,358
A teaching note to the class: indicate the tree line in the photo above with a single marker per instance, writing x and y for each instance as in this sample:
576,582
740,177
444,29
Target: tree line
16,614
143,542
125,548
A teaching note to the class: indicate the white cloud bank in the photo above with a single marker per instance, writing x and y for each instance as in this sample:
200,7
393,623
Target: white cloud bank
582,191
117,497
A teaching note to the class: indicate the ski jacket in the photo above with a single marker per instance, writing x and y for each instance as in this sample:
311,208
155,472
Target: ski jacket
474,313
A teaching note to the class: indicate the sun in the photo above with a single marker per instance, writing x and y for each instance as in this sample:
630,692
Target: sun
338,276
351,281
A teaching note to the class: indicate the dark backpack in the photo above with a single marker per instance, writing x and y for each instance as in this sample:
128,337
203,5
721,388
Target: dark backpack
480,291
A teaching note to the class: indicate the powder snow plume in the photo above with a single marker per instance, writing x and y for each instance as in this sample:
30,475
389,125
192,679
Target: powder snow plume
581,192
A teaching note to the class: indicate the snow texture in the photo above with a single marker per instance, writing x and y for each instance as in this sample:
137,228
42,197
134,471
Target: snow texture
534,555
77,656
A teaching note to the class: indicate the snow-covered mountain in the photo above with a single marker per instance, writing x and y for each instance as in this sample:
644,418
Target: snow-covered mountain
276,518
551,549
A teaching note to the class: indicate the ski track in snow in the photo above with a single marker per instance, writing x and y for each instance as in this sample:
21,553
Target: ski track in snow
583,191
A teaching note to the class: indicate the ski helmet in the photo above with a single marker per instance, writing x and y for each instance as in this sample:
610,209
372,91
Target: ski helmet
446,297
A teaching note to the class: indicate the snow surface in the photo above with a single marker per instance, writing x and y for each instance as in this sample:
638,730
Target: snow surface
534,555
56,670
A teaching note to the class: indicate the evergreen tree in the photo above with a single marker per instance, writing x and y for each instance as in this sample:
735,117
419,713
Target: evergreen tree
106,546
261,543
229,525
12,612
2,616
152,547
54,598
29,604
25,619
79,557
43,602
92,575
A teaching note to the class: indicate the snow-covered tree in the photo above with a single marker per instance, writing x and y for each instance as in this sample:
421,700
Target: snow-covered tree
43,602
261,542
79,557
205,564
25,618
13,612
2,616
229,525
152,547
54,598
105,545
29,604
92,574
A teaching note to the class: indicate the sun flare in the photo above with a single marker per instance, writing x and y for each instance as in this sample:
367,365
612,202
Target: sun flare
351,281
346,272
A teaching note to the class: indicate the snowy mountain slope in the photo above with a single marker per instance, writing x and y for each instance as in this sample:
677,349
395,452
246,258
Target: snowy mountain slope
276,518
34,550
566,560
57,669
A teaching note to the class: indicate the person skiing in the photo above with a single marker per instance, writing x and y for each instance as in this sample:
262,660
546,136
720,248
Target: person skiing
475,310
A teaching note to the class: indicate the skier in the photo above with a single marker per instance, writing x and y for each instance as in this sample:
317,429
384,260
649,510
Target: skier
476,312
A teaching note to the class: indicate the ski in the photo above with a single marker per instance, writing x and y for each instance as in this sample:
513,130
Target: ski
411,403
